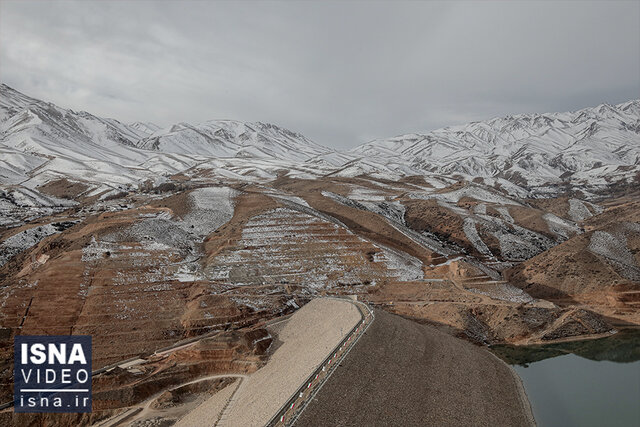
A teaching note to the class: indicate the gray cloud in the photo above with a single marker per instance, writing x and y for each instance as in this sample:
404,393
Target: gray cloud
339,72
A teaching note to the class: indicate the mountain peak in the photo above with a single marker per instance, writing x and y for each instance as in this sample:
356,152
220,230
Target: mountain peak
534,151
146,127
232,138
538,149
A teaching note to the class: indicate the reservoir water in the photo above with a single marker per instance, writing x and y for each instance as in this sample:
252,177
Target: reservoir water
584,383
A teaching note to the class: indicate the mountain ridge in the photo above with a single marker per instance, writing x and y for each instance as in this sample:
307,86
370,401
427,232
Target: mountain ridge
540,153
234,138
548,147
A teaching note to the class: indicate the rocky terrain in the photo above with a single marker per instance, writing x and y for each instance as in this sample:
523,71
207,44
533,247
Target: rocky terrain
175,247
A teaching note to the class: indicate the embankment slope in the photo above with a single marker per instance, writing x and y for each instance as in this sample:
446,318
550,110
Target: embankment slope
404,373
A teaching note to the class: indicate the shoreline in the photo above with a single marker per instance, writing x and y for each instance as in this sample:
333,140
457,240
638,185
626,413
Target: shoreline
590,337
522,391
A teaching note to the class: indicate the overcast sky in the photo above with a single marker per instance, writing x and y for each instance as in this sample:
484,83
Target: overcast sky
341,73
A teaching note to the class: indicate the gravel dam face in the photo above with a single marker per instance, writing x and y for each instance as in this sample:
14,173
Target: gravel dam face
404,373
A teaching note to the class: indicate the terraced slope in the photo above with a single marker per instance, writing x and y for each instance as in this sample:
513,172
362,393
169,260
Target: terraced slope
295,250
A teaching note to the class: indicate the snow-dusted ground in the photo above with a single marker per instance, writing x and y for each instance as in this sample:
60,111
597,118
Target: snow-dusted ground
40,142
613,247
504,212
480,209
504,292
373,202
277,252
28,198
369,194
167,247
516,243
559,226
14,164
160,231
286,245
23,240
402,266
514,248
291,198
95,251
394,213
578,211
470,191
470,230
211,208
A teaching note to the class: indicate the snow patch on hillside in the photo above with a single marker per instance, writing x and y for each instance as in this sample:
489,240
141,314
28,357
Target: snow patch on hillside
403,266
504,212
505,292
469,227
578,211
559,226
613,247
24,240
211,208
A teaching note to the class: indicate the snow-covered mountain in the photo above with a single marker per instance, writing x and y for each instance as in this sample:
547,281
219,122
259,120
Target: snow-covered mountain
589,146
146,127
532,154
230,138
37,127
41,142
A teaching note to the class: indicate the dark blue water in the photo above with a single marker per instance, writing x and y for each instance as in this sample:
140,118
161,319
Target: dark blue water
590,383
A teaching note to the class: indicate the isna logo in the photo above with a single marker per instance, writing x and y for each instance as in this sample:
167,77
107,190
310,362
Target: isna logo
52,373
